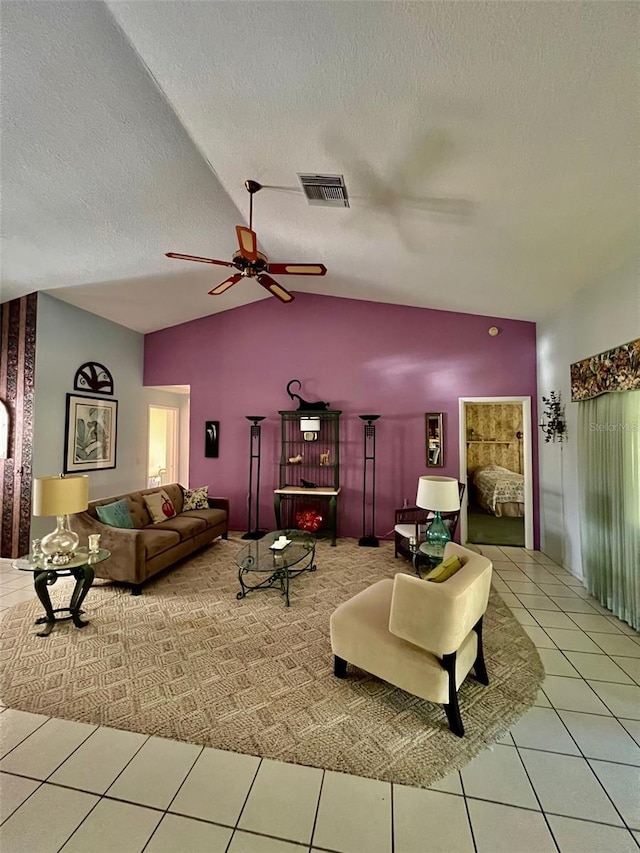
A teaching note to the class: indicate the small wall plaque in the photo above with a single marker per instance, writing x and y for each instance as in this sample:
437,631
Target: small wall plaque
93,377
211,439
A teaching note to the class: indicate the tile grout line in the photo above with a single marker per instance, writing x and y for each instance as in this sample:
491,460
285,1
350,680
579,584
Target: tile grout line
535,794
393,831
235,828
585,759
475,798
187,774
119,774
315,817
73,832
466,806
26,737
37,788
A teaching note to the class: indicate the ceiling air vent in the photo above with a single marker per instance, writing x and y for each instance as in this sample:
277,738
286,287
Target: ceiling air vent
325,190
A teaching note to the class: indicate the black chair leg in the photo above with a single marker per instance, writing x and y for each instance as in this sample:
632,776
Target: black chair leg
452,709
339,667
136,589
479,664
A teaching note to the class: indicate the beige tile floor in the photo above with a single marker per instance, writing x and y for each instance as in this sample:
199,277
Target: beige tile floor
566,778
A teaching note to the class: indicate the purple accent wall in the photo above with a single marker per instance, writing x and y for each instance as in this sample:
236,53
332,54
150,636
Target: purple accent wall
362,357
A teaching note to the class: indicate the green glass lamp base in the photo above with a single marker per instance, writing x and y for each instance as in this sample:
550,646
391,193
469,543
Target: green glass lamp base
437,534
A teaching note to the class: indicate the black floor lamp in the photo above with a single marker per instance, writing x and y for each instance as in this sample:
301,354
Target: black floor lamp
254,461
369,540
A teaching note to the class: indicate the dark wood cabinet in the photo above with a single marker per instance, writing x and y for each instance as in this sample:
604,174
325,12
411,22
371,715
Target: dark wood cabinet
309,476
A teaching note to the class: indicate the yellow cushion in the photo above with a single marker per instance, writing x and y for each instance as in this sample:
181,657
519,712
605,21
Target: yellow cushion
445,570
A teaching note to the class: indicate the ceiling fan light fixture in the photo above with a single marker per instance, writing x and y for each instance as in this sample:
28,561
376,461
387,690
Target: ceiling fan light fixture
251,263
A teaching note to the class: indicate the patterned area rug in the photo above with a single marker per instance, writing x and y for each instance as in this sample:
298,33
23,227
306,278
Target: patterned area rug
187,660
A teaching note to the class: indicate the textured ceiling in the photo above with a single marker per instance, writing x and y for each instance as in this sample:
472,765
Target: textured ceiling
489,149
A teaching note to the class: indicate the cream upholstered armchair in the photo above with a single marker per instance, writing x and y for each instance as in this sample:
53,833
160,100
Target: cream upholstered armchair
421,636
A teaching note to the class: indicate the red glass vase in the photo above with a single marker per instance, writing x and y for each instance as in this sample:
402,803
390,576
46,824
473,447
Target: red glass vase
309,520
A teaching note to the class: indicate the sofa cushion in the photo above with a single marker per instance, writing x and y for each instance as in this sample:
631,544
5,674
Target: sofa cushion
185,527
160,506
138,510
174,490
212,517
115,515
156,541
196,498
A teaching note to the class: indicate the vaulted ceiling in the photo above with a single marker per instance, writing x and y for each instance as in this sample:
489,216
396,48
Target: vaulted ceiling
490,150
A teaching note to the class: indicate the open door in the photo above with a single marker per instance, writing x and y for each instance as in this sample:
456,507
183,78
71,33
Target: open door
496,465
162,459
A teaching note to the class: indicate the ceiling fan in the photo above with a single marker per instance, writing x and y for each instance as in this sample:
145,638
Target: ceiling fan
251,263
397,192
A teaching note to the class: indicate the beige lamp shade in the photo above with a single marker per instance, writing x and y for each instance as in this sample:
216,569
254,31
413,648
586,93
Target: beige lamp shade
438,493
60,495
310,424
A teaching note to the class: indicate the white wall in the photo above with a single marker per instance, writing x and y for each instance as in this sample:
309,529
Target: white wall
66,337
602,315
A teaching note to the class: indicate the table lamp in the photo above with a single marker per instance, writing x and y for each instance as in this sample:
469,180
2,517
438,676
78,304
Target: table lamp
60,496
438,494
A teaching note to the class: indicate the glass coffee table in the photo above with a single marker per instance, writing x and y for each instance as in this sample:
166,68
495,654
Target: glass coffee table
258,559
45,574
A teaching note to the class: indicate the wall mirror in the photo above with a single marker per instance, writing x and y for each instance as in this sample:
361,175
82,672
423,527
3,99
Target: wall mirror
434,439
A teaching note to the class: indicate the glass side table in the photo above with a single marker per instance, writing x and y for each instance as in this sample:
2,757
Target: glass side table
45,575
425,557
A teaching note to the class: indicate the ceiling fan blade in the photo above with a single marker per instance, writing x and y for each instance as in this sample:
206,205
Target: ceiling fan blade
297,269
274,288
428,152
248,243
197,258
225,285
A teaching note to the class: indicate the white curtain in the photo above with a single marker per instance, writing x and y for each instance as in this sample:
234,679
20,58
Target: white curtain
609,475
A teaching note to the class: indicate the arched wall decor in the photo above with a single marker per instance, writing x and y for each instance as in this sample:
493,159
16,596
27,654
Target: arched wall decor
94,377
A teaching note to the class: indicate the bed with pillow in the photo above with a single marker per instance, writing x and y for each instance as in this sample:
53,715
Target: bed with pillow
499,490
150,530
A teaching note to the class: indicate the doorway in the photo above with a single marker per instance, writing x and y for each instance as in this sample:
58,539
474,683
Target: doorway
163,459
496,466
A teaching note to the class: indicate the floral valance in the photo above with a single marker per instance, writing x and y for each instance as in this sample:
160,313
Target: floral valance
615,370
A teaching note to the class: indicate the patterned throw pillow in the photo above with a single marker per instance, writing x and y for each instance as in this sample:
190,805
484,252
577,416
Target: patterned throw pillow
196,498
115,515
160,506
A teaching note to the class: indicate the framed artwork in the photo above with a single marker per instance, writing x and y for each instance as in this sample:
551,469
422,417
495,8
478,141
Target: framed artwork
434,439
90,434
211,439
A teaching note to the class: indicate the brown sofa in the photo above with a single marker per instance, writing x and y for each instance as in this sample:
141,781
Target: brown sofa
139,553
